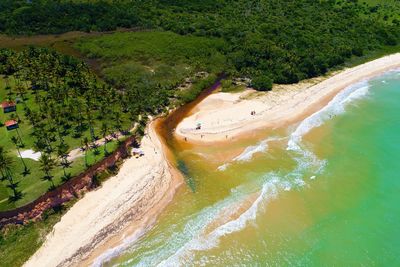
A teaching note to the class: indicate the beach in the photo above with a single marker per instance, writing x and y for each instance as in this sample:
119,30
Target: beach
227,116
124,205
317,192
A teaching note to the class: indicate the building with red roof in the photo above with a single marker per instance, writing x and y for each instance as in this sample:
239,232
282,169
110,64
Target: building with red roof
11,125
9,106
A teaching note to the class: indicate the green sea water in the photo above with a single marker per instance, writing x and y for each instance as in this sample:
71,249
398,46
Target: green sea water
322,192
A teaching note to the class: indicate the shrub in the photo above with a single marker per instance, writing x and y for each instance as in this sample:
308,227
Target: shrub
262,83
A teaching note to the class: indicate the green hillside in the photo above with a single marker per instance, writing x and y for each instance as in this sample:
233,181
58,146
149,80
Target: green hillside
283,41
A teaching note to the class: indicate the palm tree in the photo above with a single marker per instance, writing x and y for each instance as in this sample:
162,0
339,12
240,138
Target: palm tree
47,164
39,144
80,127
6,163
19,137
47,137
33,117
21,90
15,141
89,118
62,152
9,89
104,131
117,120
86,147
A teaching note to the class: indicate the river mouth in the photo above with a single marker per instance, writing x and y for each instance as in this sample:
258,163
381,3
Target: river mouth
320,192
165,126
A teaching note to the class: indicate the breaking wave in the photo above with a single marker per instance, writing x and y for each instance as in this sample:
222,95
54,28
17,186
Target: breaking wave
208,241
116,251
249,152
179,249
335,107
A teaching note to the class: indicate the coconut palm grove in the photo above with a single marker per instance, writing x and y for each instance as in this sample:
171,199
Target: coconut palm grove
77,78
58,105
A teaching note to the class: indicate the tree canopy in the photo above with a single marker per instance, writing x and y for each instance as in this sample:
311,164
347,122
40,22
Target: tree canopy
286,40
59,103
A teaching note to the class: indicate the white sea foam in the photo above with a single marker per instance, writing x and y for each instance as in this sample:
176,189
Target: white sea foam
127,243
269,190
305,160
335,107
180,246
249,152
211,240
223,167
178,241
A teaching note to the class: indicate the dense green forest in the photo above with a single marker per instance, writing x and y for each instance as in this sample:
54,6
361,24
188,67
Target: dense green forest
281,41
151,67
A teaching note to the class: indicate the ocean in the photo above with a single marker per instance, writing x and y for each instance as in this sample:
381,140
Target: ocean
321,192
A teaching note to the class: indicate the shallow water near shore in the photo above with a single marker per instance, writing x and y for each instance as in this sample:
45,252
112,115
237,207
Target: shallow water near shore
323,192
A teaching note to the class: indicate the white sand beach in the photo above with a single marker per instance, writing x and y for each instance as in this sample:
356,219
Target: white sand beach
225,116
124,205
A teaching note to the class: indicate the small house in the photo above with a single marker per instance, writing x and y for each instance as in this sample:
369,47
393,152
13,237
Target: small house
11,125
9,106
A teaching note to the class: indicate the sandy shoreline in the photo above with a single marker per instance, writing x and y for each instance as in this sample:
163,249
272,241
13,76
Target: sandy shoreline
128,203
124,205
227,116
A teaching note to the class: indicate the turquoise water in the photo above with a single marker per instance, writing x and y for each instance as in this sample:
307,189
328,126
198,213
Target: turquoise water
324,192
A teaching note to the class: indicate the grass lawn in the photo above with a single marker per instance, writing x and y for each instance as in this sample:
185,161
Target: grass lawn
18,243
